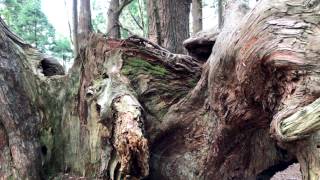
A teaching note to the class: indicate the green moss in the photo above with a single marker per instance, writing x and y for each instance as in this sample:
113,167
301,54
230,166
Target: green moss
192,82
11,177
133,66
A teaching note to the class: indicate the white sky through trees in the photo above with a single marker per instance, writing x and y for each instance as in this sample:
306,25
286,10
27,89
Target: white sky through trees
58,13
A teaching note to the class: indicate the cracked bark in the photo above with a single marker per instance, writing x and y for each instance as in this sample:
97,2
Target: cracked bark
129,109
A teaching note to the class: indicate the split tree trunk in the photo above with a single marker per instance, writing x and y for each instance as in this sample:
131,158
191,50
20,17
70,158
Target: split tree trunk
129,109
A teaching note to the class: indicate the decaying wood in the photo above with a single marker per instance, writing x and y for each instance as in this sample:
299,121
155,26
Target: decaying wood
300,124
129,109
266,72
200,44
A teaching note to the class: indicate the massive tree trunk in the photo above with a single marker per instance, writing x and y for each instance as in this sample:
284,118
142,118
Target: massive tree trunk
169,23
267,71
130,109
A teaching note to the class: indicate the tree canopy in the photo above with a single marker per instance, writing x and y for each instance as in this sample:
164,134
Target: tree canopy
26,19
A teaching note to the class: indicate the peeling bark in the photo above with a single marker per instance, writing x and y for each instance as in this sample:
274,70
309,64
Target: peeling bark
131,110
260,76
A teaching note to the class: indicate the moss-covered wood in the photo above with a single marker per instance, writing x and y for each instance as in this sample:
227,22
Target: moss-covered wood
130,109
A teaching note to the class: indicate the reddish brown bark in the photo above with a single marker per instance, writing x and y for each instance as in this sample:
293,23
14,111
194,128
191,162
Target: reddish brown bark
126,103
169,23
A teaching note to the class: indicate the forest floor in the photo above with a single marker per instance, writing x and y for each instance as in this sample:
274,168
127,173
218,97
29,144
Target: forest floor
291,173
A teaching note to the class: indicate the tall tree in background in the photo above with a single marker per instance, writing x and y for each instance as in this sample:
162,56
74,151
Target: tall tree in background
113,28
114,11
196,16
220,13
154,26
75,26
84,23
169,23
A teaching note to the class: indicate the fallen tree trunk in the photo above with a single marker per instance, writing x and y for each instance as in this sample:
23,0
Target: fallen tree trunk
129,109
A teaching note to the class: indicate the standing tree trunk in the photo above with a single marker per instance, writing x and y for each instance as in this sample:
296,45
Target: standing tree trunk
75,27
85,25
154,27
196,16
114,11
169,23
113,29
220,14
129,109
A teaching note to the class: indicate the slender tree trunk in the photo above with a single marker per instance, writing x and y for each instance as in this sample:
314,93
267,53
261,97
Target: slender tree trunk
220,14
113,29
196,16
75,26
85,25
154,27
114,12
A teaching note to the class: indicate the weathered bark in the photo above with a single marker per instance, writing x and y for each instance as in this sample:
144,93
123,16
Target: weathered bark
196,16
19,117
169,23
260,76
127,103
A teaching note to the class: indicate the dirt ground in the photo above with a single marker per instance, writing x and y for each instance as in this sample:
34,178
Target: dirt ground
291,173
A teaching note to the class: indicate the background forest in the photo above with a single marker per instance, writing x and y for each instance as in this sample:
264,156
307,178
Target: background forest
29,20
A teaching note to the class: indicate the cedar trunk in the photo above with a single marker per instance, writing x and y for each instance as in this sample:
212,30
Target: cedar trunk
75,26
169,23
113,29
196,16
130,109
84,22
